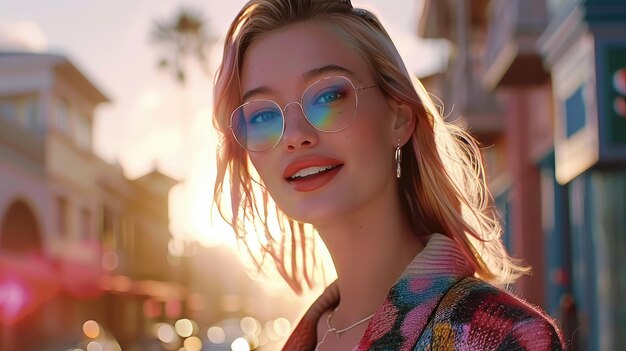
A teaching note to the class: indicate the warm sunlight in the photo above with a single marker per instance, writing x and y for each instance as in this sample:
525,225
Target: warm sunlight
155,134
110,238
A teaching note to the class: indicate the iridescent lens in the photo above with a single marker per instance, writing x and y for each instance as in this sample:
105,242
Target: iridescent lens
330,103
257,125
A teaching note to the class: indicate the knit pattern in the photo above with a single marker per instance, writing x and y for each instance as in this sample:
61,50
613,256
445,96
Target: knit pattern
475,315
437,304
406,309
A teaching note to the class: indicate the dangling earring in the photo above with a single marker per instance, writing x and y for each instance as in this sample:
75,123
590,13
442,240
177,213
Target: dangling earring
398,161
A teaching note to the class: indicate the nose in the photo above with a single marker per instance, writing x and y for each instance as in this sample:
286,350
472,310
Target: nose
299,133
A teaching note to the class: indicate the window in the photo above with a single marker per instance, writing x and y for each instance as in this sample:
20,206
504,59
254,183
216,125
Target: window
83,133
575,112
8,110
61,217
107,222
23,111
62,118
32,119
108,232
85,223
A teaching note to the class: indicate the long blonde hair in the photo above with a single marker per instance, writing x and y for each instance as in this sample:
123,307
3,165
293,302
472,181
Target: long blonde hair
443,187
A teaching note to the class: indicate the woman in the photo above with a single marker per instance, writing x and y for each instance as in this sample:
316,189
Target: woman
324,131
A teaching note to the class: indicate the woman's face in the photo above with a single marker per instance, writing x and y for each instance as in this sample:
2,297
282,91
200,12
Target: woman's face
349,169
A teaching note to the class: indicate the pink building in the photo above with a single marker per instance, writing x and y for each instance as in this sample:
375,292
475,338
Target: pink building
78,241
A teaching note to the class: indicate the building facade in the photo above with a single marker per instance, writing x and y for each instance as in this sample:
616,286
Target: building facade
78,240
86,255
556,70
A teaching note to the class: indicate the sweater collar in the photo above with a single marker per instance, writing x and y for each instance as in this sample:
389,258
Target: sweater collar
400,319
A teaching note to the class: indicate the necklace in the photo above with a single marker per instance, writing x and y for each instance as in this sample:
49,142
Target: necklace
336,331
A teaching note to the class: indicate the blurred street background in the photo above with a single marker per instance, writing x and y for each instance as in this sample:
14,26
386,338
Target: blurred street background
108,240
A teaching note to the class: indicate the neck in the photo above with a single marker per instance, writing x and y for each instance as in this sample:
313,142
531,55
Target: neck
370,250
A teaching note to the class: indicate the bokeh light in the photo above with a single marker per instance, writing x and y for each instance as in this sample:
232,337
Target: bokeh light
110,260
184,327
216,335
94,346
91,329
240,344
249,325
253,341
165,333
193,343
282,327
619,81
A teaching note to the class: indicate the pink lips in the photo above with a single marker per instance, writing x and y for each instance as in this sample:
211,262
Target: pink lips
312,182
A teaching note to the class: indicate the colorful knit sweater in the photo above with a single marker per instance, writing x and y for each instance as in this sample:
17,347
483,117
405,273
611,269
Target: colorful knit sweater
437,304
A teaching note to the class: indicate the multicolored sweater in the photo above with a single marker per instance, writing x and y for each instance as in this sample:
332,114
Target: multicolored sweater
437,304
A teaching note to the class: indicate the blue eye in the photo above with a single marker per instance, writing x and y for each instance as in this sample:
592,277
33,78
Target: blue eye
264,116
329,96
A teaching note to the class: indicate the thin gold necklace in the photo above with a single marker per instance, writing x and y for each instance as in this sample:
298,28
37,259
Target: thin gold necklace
336,331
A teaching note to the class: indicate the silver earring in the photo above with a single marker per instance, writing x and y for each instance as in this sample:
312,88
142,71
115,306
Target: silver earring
398,160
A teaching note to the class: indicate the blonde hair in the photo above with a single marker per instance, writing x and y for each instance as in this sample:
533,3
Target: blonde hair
443,187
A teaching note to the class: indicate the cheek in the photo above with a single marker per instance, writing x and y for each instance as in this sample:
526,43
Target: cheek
270,175
373,139
372,135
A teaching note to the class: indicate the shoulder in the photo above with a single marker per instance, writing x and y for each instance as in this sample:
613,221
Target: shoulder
478,315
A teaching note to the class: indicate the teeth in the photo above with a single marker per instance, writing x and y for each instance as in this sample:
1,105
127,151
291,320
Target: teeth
310,171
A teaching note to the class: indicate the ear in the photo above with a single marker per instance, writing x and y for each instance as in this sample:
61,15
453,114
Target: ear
403,123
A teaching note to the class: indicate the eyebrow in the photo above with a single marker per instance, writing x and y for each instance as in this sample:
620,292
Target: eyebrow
316,72
326,69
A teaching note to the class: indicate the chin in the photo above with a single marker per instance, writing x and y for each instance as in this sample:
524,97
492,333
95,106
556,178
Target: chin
311,217
317,208
320,214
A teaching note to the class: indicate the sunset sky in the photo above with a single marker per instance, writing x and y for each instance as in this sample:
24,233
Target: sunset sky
151,121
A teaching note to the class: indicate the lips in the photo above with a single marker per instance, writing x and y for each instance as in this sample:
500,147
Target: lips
311,172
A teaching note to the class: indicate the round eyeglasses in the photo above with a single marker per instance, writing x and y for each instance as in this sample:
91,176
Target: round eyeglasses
329,105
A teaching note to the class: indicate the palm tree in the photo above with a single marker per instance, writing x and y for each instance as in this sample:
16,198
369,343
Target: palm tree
183,38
